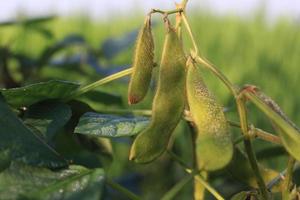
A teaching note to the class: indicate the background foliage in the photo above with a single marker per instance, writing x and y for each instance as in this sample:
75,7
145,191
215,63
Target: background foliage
82,51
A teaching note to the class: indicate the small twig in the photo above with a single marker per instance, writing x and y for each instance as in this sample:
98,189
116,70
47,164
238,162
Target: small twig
280,177
206,185
177,159
249,148
198,176
121,189
96,84
287,182
164,12
188,28
176,188
264,135
233,89
126,111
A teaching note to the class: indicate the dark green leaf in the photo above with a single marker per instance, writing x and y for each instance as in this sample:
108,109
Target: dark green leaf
26,22
43,31
22,144
103,125
21,181
47,117
99,99
39,20
68,41
30,94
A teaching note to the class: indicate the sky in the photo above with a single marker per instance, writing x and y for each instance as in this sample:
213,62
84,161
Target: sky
103,9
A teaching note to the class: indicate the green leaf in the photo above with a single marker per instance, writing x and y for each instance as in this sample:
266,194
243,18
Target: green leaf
99,100
22,144
47,117
30,94
289,135
104,125
26,22
21,181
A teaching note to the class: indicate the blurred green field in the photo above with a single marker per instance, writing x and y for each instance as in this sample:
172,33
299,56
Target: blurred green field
248,51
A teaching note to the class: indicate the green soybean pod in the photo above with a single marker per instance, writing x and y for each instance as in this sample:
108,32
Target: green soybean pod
168,103
143,63
214,148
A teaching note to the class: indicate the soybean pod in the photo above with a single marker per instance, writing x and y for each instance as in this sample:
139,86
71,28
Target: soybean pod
168,103
143,63
214,148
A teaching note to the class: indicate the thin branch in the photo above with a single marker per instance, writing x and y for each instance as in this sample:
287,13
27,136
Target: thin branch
206,185
288,180
126,111
281,177
96,84
249,148
233,89
166,12
188,28
176,188
198,177
261,134
122,190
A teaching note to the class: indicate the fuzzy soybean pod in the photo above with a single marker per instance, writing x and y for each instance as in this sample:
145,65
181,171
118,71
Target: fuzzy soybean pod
168,103
143,63
214,148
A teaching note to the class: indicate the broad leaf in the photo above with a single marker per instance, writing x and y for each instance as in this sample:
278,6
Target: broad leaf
99,100
104,125
21,181
47,117
22,144
30,94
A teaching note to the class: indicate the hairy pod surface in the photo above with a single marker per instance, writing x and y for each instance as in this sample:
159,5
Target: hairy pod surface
168,103
214,148
143,63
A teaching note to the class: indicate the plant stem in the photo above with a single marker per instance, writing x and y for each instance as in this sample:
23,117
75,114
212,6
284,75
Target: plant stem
287,183
280,177
169,12
233,89
177,159
126,111
188,28
96,84
122,190
183,3
199,189
249,148
198,177
264,135
206,185
176,188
